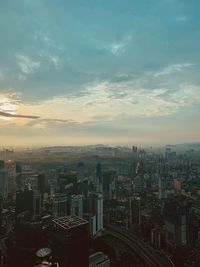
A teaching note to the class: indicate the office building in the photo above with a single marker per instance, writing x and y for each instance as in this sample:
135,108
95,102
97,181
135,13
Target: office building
60,204
109,184
95,207
24,201
71,241
1,204
1,164
36,204
3,183
135,211
138,183
77,205
41,183
80,170
99,174
162,188
177,214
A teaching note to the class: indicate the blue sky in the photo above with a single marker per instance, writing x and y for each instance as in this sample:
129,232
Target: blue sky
99,71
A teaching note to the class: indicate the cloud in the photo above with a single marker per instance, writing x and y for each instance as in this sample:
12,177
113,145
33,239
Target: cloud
9,115
173,68
119,48
27,65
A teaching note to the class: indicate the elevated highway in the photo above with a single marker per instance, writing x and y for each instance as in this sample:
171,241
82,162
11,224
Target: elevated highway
148,255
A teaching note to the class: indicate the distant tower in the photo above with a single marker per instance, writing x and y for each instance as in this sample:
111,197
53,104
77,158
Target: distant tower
135,211
99,175
1,164
41,183
60,205
177,215
139,184
96,208
4,183
135,153
24,201
80,170
77,205
36,204
1,202
162,187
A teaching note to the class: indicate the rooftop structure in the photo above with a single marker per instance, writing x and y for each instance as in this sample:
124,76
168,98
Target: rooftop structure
69,222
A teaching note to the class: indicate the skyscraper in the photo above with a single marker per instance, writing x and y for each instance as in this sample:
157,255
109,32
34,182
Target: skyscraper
96,208
177,214
41,183
71,241
77,205
3,183
60,202
161,187
24,201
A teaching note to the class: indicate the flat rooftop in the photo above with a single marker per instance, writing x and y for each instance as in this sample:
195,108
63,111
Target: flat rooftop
69,222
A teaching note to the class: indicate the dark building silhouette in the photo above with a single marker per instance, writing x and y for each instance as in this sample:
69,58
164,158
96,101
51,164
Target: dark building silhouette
71,241
80,170
28,200
99,174
24,201
41,183
177,214
28,237
1,164
1,202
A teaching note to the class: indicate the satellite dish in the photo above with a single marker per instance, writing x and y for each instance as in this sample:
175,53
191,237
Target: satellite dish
43,252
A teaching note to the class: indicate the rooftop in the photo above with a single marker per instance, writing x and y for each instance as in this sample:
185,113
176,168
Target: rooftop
69,222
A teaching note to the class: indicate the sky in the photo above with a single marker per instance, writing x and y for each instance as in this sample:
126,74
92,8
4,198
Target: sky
117,72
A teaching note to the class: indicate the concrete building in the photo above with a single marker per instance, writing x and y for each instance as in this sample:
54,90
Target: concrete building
95,207
161,188
3,183
135,211
99,259
71,241
60,202
77,205
177,214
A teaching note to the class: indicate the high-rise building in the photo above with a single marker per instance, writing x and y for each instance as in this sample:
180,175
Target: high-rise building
36,204
1,203
3,183
77,205
139,184
99,174
135,211
161,187
109,184
41,183
96,208
80,170
177,214
71,241
24,201
60,204
1,164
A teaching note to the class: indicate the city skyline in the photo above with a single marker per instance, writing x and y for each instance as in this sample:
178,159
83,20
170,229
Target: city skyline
111,72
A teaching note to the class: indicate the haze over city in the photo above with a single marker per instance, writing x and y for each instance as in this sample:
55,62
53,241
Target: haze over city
89,72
